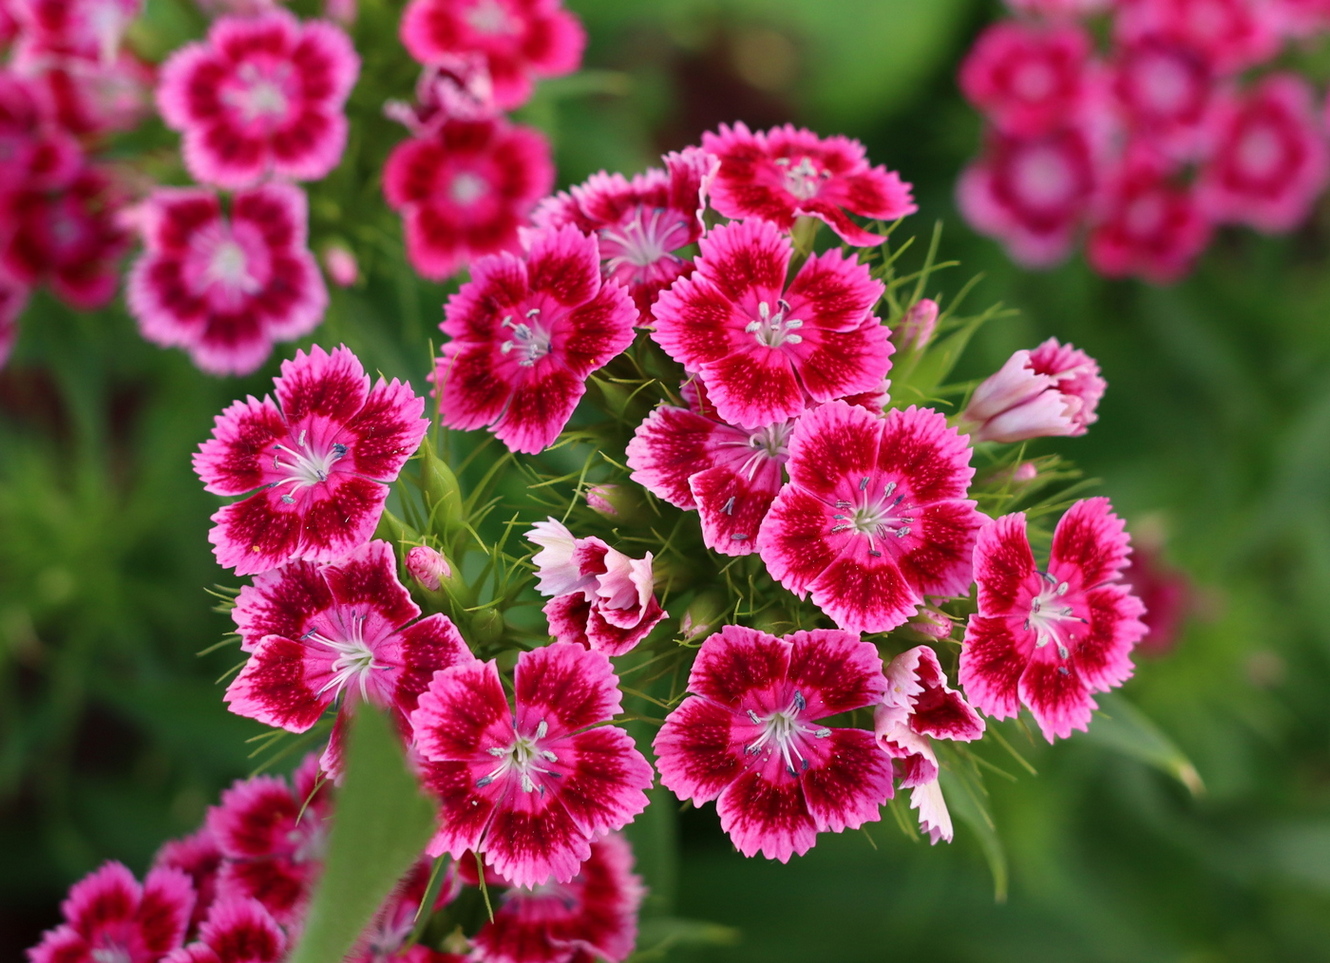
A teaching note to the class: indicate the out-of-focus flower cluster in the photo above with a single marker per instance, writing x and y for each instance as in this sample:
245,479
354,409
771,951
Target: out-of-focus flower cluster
1188,116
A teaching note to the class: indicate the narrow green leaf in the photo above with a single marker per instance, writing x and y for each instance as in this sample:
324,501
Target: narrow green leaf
381,826
1127,729
968,802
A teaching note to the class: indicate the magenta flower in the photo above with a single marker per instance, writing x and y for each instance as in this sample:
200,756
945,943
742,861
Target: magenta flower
273,837
1028,79
520,40
1050,638
1032,194
388,933
762,349
524,335
1147,224
464,188
199,858
529,789
35,151
222,287
262,95
237,930
693,460
341,264
1233,34
1163,90
749,739
357,640
109,916
1167,593
593,914
785,173
1302,18
874,516
641,224
72,29
318,466
919,707
1268,159
603,599
1050,391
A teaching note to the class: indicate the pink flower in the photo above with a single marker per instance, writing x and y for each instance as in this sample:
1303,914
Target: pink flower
237,930
395,921
357,640
764,350
1031,194
1028,79
593,914
1268,160
784,173
693,460
1050,391
1049,639
34,151
918,707
874,516
521,40
641,224
1233,34
749,739
529,790
1166,592
198,857
603,599
464,188
222,287
94,97
524,335
272,836
1302,18
83,29
319,465
1163,89
1147,224
341,265
109,916
916,327
263,95
458,87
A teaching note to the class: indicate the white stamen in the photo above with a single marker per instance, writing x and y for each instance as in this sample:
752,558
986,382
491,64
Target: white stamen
530,338
774,329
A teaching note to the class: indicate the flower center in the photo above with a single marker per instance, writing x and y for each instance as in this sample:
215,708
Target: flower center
306,466
531,340
1261,151
522,757
804,179
229,267
874,517
774,329
111,953
642,240
309,840
1049,617
773,440
467,188
260,94
489,17
355,658
783,732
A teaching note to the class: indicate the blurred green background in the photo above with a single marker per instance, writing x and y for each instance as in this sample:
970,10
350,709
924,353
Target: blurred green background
1216,429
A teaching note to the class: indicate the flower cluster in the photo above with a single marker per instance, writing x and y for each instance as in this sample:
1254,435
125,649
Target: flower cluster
1146,146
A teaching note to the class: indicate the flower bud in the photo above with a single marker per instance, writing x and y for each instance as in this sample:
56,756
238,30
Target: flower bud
340,264
931,623
340,11
615,502
916,328
427,567
1052,390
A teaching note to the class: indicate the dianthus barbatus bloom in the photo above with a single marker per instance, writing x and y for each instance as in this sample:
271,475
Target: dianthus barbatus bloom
1049,639
237,930
272,836
262,95
592,915
225,287
918,706
77,29
521,40
529,789
524,335
355,640
388,933
693,460
35,151
783,173
641,224
603,599
463,188
749,739
1147,224
319,465
1028,78
1232,34
199,858
764,351
874,516
1050,391
109,916
1163,89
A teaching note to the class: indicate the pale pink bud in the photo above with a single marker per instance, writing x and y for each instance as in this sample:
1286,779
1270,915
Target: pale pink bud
1052,390
598,500
341,11
932,623
1026,471
916,328
341,265
427,567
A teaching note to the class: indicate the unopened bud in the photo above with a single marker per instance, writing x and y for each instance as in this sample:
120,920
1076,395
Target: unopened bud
916,328
1026,471
615,502
340,11
427,567
340,264
703,616
932,623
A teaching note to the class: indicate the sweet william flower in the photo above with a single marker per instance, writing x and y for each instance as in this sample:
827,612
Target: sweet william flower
784,173
1232,34
916,327
237,930
1052,390
749,738
874,516
1026,78
531,788
318,462
199,858
385,940
1147,224
263,95
524,335
764,349
1050,639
